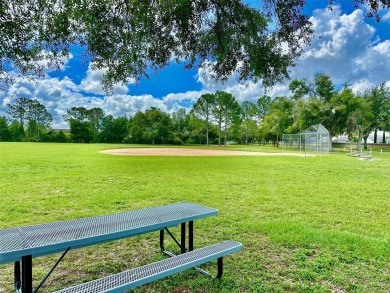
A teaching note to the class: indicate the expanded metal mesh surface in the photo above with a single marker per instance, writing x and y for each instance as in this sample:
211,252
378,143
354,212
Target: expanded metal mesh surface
10,240
76,230
146,271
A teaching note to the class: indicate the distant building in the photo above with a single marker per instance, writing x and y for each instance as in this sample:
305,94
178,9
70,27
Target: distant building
370,139
61,129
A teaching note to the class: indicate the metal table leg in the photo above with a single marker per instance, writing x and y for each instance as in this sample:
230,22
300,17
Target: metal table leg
220,268
162,240
27,274
191,235
183,238
17,283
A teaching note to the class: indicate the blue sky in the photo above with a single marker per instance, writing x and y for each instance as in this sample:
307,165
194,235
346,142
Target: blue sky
346,45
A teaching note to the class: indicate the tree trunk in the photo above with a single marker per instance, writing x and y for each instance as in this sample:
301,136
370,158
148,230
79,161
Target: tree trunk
359,142
207,135
384,137
330,142
219,133
375,135
225,127
225,136
365,141
207,128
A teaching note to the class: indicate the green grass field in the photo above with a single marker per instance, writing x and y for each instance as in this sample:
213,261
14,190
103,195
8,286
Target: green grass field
315,224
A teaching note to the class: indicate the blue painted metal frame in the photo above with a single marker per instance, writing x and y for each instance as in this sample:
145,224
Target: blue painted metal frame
218,254
21,238
178,269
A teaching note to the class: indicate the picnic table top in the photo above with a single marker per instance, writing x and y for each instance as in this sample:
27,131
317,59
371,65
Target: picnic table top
43,239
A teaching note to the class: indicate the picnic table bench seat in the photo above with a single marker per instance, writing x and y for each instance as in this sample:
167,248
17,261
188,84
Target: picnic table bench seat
145,274
366,157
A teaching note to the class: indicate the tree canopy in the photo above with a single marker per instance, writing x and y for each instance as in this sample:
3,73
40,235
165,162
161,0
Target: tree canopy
129,37
32,113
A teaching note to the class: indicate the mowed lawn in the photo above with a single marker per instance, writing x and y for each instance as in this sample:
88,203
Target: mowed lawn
315,224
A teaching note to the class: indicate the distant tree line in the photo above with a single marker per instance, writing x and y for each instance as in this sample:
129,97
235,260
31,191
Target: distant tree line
341,112
215,118
31,121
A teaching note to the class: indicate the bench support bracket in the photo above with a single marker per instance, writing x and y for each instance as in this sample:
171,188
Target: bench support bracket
182,244
23,279
51,270
220,270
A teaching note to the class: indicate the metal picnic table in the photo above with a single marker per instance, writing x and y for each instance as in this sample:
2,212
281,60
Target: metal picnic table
22,244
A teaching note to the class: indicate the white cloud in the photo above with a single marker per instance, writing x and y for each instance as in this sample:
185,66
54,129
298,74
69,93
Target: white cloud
241,91
362,85
119,105
57,95
205,74
60,95
23,92
386,16
173,100
49,66
345,47
338,40
375,64
92,83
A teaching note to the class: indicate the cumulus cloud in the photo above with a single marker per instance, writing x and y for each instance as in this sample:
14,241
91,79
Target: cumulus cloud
248,91
375,64
92,83
57,95
346,48
50,66
175,101
343,46
361,86
386,16
242,91
119,105
61,95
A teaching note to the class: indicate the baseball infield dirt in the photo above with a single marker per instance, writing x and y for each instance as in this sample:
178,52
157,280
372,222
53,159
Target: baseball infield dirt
173,152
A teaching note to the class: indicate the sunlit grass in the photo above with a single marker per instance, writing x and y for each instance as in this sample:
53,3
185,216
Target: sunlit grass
315,224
